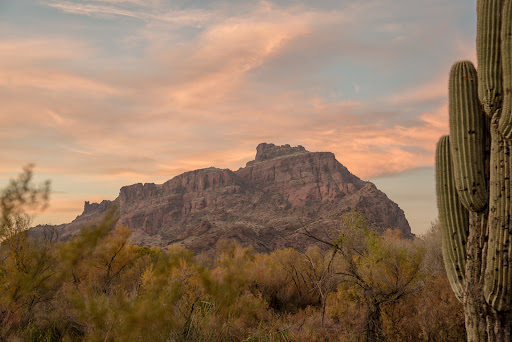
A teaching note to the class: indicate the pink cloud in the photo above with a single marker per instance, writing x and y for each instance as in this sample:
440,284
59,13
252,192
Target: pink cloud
373,150
217,98
215,66
15,52
54,80
38,63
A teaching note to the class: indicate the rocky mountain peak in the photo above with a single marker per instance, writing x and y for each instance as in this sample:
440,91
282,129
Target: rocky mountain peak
266,152
265,204
96,208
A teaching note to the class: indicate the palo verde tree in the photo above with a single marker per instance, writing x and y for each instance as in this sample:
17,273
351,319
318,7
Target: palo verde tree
19,197
25,266
376,270
473,178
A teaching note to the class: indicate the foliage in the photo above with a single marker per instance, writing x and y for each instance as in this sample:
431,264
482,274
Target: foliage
373,271
18,197
99,287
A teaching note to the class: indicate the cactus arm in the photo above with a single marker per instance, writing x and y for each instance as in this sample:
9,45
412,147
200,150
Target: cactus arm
488,54
505,124
467,137
453,216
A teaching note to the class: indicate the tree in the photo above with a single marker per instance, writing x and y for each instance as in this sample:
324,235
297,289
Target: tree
433,313
376,270
17,199
27,278
26,266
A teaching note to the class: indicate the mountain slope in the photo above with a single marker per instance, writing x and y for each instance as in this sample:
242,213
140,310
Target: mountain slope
264,204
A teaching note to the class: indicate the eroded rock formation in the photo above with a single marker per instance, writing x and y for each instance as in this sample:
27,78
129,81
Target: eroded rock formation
265,204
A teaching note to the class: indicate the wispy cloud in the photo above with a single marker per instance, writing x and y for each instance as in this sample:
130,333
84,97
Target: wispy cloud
145,11
91,9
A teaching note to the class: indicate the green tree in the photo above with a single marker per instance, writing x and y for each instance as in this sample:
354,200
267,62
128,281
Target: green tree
18,199
26,265
375,270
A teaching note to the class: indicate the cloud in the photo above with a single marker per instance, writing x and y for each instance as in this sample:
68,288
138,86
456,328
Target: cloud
145,11
42,50
187,88
54,80
219,64
210,98
431,91
89,9
370,150
135,2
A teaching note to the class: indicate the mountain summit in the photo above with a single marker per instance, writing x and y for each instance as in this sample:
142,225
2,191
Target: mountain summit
265,203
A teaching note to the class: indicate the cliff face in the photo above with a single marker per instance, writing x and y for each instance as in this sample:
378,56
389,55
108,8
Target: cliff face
264,204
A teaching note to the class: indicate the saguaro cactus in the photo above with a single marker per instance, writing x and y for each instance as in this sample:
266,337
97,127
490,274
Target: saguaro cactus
473,178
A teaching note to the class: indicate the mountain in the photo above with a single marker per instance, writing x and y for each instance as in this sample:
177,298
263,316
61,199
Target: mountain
266,203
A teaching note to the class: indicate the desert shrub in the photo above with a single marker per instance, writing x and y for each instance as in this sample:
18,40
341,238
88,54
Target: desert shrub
98,287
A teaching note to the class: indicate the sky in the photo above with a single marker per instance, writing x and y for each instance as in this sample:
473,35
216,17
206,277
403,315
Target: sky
101,94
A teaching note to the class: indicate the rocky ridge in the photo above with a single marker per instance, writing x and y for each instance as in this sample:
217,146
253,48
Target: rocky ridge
265,204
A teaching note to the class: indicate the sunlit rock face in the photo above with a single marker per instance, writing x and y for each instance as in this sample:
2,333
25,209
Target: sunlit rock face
265,204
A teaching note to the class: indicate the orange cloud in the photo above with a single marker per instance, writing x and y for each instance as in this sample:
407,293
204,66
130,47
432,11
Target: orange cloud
37,63
29,50
54,80
215,67
372,150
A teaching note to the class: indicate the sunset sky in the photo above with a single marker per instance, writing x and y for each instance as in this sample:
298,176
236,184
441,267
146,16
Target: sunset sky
102,94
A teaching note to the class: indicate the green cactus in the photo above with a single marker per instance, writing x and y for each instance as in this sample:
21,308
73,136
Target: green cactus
488,54
453,216
505,124
467,137
475,161
498,284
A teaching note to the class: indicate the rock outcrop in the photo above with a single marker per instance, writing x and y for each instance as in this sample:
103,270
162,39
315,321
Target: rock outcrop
266,203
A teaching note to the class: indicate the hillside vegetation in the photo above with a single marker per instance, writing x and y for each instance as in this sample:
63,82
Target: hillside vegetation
97,287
